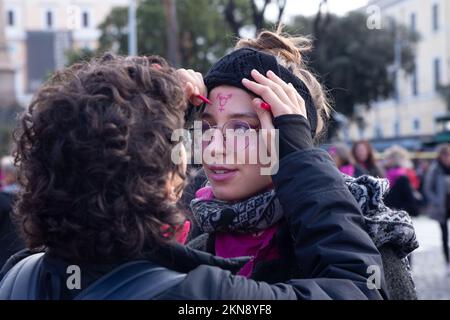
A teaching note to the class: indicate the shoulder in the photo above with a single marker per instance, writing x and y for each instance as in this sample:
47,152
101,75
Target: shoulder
13,260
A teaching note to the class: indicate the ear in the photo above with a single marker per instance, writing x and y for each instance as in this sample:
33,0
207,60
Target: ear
170,188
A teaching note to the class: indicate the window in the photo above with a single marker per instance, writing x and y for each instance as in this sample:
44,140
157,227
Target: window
437,73
414,81
397,91
416,125
378,132
413,22
49,19
11,18
85,19
396,128
435,17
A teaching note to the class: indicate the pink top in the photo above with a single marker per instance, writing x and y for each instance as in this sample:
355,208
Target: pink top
393,175
232,245
258,246
348,170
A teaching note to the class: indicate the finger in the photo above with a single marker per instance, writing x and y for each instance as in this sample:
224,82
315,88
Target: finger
190,93
189,89
197,80
288,88
280,92
296,100
277,106
201,83
265,119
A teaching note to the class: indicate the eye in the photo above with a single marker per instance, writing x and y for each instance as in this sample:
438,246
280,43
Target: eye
239,127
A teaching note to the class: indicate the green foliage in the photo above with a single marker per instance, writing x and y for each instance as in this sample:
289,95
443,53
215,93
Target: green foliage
353,60
350,59
77,55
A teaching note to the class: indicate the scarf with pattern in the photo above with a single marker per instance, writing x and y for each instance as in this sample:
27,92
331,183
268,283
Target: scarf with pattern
383,224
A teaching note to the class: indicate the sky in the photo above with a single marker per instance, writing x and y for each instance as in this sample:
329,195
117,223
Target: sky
309,7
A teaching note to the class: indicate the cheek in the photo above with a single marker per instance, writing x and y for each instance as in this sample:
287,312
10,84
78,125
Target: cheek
253,180
251,153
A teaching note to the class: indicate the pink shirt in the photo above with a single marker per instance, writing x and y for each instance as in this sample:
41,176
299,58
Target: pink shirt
259,246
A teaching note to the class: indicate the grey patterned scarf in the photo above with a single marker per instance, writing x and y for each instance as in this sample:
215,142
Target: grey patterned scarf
384,225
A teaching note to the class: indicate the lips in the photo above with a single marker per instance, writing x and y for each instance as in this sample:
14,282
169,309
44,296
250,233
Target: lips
221,173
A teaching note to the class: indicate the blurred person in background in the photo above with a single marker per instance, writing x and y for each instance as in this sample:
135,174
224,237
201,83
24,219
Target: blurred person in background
403,181
344,160
10,241
437,191
364,156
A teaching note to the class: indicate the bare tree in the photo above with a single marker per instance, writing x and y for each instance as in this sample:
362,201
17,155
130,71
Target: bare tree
230,17
258,14
320,22
281,6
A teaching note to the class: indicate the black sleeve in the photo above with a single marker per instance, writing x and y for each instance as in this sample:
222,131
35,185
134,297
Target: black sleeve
213,283
294,133
332,248
399,281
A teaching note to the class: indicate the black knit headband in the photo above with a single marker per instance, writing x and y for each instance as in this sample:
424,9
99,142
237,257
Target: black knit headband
231,69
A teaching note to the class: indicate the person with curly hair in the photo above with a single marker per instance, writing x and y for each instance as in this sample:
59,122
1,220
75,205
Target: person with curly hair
99,194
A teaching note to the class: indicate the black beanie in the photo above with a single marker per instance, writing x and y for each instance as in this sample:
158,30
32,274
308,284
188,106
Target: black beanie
232,68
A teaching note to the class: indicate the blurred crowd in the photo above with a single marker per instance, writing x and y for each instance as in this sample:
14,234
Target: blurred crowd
419,186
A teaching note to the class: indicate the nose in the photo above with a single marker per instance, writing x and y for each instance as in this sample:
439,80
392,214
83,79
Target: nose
214,143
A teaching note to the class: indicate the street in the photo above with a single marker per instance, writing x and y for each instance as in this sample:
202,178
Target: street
428,266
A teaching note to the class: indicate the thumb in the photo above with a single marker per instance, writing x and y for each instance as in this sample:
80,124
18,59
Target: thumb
190,93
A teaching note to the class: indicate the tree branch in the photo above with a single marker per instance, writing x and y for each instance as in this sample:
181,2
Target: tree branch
258,16
230,17
281,7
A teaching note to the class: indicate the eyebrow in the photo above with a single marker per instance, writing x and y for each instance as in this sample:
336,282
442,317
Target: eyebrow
233,115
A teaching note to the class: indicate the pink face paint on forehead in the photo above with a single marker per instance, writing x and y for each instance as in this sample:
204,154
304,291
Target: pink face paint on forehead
223,100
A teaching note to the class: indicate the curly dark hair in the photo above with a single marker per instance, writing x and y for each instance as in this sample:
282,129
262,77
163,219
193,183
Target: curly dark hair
93,152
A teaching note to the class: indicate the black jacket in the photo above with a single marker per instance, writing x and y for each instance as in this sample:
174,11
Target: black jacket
319,208
330,245
402,196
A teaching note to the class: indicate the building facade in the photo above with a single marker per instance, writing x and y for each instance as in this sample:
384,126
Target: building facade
409,118
39,33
